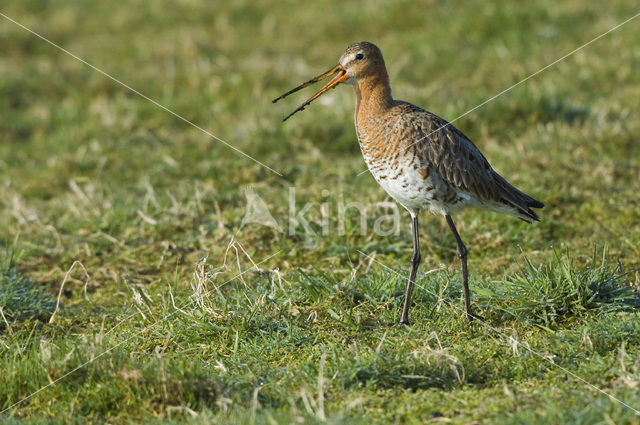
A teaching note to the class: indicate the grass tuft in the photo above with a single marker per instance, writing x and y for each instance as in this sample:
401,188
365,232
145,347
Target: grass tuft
560,290
20,298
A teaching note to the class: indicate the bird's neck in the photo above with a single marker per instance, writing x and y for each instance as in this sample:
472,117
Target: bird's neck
373,96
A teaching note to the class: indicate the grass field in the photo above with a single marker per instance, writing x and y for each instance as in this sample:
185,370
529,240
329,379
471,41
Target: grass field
125,262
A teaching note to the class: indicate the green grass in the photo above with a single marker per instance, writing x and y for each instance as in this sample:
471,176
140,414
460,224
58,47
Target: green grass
20,299
90,172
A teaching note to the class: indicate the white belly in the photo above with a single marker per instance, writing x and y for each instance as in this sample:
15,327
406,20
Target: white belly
407,186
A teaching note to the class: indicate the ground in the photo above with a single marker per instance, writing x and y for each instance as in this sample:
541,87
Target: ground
140,284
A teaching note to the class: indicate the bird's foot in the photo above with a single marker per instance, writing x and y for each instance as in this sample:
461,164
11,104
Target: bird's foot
470,316
404,322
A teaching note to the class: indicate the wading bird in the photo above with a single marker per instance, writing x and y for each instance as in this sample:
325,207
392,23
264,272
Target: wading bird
421,160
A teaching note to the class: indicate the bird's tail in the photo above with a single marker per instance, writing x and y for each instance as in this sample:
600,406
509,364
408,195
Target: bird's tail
520,202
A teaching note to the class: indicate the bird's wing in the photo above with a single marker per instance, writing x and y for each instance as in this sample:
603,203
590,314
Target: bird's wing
460,163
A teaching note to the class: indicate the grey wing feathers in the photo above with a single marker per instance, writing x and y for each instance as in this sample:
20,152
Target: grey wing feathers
460,163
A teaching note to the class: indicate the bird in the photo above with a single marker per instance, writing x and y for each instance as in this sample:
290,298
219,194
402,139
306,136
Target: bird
422,161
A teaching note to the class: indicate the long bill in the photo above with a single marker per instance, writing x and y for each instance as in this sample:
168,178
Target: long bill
342,76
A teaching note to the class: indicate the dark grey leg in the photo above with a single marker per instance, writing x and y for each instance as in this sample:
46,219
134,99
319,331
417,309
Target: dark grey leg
415,262
462,253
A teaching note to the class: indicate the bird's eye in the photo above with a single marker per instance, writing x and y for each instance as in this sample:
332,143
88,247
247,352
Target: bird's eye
360,56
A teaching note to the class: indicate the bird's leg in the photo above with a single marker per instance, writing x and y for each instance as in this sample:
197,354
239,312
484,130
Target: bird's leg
462,254
415,262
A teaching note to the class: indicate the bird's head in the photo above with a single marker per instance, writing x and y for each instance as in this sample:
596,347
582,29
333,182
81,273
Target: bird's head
360,60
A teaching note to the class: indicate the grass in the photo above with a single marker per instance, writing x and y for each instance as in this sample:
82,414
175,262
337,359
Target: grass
546,294
189,316
20,299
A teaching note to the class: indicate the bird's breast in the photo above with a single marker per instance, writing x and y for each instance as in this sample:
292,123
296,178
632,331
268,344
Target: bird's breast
397,164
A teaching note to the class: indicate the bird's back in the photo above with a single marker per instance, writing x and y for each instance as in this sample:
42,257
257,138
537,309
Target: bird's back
426,163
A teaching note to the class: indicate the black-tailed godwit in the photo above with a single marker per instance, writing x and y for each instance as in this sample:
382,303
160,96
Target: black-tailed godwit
418,158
